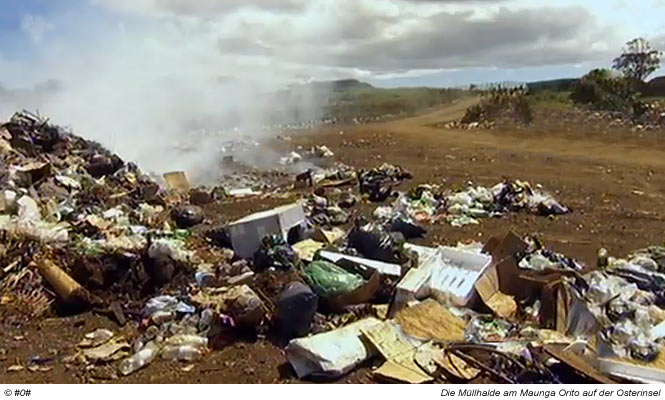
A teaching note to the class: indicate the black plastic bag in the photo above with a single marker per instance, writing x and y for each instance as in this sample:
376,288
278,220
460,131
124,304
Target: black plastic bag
275,252
187,216
373,242
296,307
410,230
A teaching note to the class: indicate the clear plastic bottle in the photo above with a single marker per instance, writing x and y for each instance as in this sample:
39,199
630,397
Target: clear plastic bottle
182,353
187,339
139,360
602,258
160,317
206,320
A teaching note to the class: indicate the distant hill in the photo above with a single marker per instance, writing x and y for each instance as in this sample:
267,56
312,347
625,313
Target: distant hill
339,85
655,87
555,85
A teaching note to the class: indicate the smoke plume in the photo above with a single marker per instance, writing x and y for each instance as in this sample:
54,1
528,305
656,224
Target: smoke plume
148,78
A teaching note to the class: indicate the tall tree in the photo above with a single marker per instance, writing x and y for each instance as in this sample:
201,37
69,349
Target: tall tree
638,60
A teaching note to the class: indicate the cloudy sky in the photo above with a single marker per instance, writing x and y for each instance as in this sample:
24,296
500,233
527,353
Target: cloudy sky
136,75
387,42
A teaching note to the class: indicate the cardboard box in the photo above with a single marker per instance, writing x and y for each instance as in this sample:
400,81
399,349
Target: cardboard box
177,181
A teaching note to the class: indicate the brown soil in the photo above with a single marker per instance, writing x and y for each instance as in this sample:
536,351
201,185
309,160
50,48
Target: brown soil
615,184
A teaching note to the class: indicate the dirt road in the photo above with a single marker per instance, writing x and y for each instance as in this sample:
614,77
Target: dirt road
615,185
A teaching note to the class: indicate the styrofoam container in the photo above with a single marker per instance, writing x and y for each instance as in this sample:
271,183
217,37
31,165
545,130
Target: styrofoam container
384,268
423,252
247,232
413,286
443,272
455,272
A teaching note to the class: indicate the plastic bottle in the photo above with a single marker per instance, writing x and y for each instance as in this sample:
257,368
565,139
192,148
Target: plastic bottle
160,317
190,340
151,332
182,353
206,320
602,258
139,360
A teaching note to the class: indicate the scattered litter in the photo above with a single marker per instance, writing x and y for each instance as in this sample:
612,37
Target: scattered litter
331,354
82,229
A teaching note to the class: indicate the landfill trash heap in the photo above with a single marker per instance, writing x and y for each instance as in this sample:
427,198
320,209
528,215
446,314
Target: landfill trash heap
84,230
428,203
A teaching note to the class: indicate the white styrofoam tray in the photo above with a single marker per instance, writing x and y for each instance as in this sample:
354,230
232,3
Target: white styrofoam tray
452,272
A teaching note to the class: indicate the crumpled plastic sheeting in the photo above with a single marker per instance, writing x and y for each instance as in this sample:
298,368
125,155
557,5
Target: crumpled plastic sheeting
543,259
29,223
467,206
626,314
166,304
170,248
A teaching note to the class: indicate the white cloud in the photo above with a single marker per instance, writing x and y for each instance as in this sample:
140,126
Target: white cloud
35,27
199,8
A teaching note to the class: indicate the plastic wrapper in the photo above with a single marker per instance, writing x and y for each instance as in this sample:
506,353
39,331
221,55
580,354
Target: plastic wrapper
166,304
330,280
169,248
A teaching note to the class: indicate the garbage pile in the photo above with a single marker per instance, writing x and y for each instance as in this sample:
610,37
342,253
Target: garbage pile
82,229
67,201
378,183
498,311
625,297
428,203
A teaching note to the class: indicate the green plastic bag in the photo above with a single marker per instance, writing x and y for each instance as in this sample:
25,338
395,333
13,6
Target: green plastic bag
330,280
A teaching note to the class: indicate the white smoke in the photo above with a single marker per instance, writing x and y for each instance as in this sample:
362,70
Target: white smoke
161,69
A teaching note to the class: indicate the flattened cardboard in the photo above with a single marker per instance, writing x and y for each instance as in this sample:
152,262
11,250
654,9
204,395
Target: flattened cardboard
307,249
504,274
177,181
397,372
399,353
329,236
573,317
430,320
503,305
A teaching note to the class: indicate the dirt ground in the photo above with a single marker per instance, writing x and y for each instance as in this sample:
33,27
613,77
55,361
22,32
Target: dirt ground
615,184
